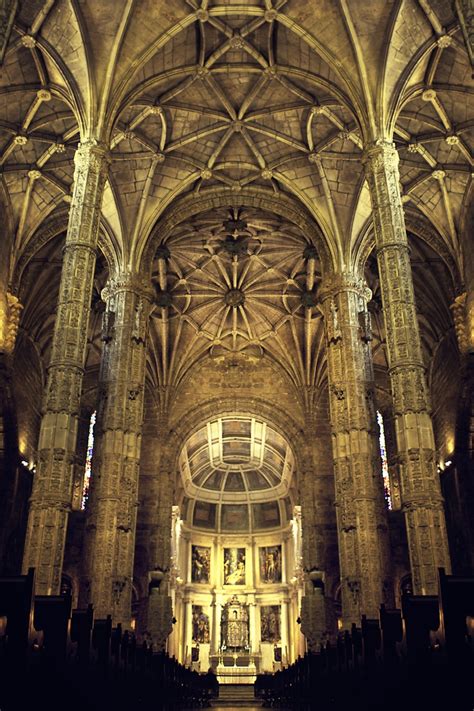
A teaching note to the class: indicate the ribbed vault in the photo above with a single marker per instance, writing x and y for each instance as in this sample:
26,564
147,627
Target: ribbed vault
259,100
252,95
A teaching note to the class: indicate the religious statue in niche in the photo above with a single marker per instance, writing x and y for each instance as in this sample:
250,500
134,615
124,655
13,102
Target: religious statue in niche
200,564
234,566
270,564
200,625
270,623
235,625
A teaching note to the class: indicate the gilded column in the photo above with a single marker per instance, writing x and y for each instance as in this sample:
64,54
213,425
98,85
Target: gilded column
421,497
112,508
360,508
50,502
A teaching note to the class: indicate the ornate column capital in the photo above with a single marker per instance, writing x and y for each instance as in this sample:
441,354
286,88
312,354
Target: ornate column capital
91,169
336,282
92,154
380,153
133,282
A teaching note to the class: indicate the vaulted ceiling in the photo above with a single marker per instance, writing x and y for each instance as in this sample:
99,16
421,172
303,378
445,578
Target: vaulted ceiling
261,102
237,474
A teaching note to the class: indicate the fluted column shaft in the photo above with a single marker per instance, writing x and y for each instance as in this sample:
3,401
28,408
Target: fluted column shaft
51,498
112,509
360,507
422,502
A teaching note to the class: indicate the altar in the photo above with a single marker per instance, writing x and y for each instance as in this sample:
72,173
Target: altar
236,669
235,663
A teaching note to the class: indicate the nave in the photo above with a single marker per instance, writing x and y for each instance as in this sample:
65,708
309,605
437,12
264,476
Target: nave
236,354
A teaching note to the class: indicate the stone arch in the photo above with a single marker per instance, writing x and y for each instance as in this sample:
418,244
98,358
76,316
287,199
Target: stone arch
281,205
51,228
281,420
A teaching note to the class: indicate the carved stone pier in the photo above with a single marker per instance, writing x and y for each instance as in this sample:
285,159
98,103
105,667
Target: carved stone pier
422,502
361,512
112,508
52,489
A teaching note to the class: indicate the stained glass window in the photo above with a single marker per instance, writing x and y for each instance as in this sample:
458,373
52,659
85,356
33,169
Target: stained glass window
88,467
383,457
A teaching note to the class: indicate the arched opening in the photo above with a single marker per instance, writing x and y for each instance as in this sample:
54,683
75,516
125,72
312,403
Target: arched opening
235,585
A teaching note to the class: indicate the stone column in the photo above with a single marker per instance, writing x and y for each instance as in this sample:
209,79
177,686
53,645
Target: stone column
52,489
422,502
313,552
160,610
161,547
159,618
311,534
360,507
112,507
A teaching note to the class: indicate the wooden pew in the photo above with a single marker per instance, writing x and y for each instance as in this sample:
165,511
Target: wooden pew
81,630
51,616
16,604
456,599
392,633
420,617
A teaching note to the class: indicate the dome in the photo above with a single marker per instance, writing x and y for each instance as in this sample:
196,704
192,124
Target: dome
236,475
